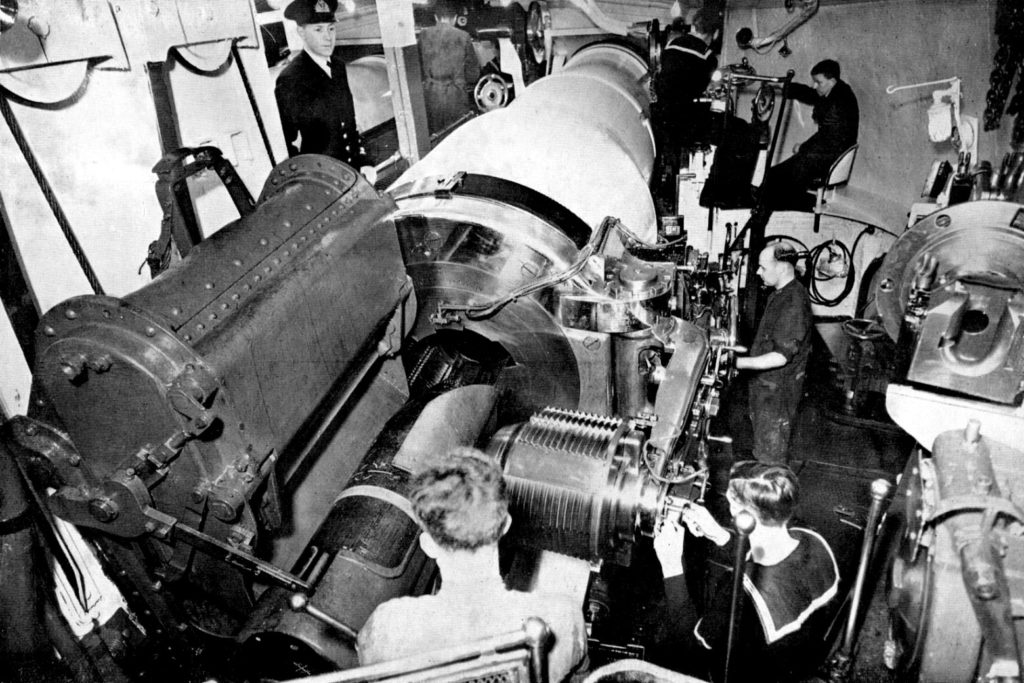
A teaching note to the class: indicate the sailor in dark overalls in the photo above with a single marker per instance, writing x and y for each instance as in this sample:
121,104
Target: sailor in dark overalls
778,356
450,69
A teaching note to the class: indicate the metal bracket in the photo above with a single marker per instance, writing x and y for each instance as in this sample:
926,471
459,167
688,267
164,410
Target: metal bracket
179,224
990,505
444,316
257,568
848,516
188,394
446,187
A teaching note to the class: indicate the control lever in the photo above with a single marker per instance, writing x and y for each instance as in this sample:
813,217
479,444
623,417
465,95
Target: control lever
224,551
745,524
299,602
839,665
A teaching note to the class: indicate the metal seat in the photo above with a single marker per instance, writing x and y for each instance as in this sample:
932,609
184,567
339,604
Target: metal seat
635,670
837,176
519,656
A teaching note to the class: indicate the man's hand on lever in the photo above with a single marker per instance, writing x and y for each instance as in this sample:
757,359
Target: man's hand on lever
668,542
700,523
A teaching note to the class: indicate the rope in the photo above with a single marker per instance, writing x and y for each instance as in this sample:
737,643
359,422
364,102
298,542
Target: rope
252,101
48,193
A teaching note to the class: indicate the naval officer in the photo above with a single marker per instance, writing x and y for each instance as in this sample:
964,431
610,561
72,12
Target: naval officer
312,92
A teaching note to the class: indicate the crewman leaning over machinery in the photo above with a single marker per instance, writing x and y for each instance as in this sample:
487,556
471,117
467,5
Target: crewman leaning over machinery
462,506
789,590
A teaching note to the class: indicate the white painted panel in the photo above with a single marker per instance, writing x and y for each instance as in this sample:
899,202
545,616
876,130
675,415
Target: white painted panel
214,109
15,377
97,153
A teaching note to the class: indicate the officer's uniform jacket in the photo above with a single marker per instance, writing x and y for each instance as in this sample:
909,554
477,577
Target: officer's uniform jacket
317,113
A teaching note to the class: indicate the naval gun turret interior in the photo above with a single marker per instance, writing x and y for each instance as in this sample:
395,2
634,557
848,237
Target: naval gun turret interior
314,353
206,473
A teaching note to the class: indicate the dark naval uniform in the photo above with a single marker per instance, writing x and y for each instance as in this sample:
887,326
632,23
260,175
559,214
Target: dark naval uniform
838,117
786,609
319,108
686,67
775,394
450,72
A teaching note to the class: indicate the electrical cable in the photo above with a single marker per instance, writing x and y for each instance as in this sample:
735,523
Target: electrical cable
680,479
485,310
881,229
489,308
816,276
851,271
647,245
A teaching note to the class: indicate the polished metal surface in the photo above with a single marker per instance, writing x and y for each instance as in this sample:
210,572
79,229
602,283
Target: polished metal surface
576,483
687,396
969,329
544,367
978,323
484,215
957,569
637,356
8,14
196,407
477,242
491,92
538,20
631,296
595,112
973,238
951,293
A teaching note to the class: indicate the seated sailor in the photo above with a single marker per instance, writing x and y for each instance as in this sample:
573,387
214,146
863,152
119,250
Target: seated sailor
462,505
837,116
789,588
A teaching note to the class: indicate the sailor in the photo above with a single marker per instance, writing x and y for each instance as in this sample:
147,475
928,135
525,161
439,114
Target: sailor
837,116
778,356
462,505
687,63
450,68
789,590
317,112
